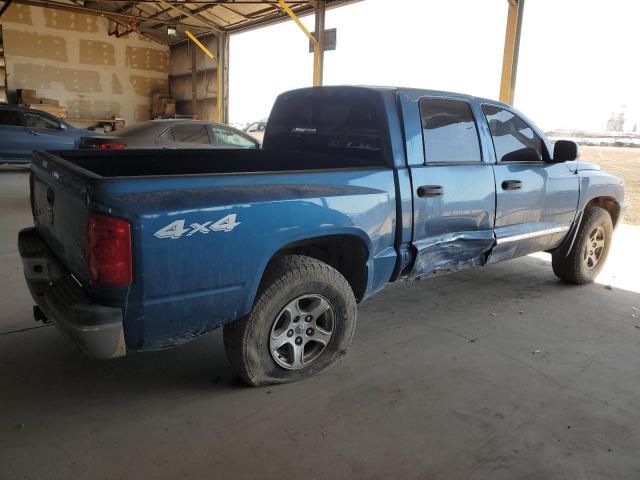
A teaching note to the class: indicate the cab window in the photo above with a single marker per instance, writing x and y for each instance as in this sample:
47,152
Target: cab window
513,139
35,120
190,133
449,131
9,117
167,135
231,139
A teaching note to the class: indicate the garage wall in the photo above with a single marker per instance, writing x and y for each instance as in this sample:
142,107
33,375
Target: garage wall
70,57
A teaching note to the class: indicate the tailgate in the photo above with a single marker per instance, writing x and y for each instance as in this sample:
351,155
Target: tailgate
58,195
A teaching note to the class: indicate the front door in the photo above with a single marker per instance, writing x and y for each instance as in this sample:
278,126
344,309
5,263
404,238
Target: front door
536,200
453,190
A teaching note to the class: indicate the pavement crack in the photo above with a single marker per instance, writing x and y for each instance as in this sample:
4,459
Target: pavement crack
524,364
25,329
453,332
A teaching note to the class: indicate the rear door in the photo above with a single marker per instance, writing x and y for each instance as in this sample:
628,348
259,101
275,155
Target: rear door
536,200
453,188
13,137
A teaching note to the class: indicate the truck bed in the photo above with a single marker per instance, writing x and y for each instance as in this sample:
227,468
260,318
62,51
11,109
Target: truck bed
275,198
153,163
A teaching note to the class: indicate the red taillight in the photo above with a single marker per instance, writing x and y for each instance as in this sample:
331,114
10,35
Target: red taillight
108,250
111,146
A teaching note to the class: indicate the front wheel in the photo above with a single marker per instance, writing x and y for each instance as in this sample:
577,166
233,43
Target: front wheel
303,321
589,251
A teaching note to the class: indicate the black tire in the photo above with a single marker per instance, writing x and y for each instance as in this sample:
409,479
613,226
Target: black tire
574,267
247,340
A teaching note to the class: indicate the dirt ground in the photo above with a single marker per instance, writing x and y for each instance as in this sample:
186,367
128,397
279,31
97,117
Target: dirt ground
623,162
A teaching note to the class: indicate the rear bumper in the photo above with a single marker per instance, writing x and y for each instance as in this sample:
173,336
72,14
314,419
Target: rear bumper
96,329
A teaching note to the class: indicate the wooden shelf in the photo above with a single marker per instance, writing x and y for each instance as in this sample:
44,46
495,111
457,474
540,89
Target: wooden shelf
93,120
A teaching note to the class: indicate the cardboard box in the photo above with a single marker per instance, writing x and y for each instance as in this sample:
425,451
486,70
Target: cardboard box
157,104
118,123
162,104
26,95
170,107
50,101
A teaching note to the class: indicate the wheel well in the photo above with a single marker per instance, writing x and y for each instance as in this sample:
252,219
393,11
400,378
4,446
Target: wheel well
348,254
609,204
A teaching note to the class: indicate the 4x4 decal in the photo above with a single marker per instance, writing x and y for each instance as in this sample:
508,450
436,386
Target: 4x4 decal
177,228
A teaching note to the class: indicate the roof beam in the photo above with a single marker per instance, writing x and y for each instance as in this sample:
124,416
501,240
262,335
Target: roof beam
152,35
188,13
300,8
94,11
5,6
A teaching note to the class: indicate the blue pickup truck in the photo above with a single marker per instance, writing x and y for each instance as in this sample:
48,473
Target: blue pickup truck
355,187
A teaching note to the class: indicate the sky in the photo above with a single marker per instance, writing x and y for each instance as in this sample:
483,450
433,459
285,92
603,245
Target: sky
578,58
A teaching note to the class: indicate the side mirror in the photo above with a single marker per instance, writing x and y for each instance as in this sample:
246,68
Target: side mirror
565,151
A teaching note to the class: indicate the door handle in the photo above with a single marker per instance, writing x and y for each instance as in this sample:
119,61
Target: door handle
430,191
511,184
33,133
50,197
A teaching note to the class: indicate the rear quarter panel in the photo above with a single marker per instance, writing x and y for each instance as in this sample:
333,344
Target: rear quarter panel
189,285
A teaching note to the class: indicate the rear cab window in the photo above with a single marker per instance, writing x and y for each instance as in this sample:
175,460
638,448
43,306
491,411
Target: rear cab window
449,131
347,122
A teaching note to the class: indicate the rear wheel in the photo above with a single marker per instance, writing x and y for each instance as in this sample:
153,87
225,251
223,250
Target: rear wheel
589,251
303,321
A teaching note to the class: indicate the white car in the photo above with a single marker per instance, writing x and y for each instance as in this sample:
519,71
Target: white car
256,130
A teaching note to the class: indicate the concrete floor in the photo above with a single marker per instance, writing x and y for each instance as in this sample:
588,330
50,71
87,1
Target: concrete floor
496,373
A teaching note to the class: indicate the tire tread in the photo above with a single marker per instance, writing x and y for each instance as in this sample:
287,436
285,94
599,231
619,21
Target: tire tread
569,267
282,274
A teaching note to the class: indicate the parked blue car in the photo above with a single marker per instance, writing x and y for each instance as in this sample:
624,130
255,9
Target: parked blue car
354,187
23,130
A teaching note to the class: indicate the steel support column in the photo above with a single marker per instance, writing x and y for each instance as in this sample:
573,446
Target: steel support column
318,51
511,51
316,46
194,81
222,98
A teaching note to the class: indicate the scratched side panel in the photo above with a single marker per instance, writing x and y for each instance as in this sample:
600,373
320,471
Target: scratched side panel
194,283
454,230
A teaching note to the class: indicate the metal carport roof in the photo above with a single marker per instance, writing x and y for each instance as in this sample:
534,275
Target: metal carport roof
223,17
